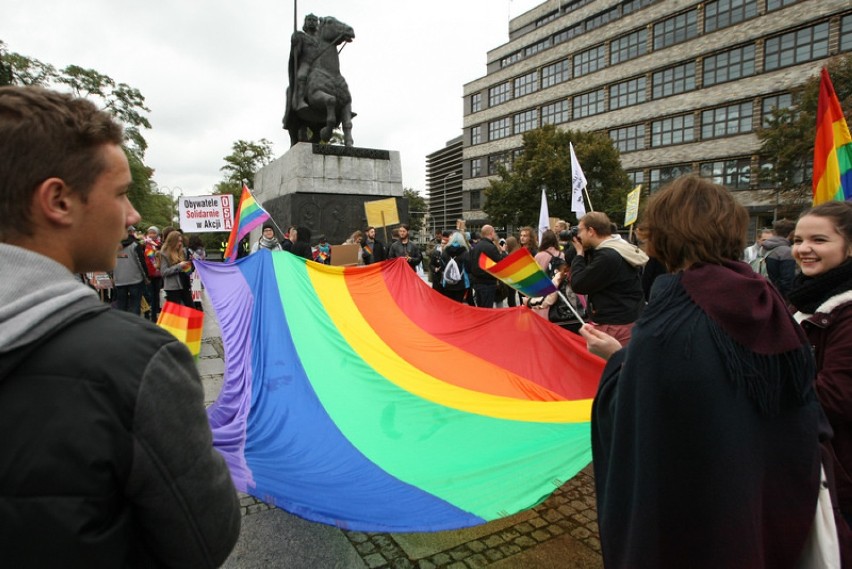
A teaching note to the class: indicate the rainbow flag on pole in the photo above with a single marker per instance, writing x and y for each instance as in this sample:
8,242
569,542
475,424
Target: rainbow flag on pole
520,271
832,147
249,216
184,323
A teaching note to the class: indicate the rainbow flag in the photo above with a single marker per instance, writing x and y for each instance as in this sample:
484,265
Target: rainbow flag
832,147
184,323
249,216
361,398
520,271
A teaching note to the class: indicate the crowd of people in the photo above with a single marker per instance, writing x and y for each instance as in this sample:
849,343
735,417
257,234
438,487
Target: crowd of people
721,430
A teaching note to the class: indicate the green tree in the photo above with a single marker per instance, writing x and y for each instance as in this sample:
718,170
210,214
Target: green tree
787,140
246,158
416,208
545,162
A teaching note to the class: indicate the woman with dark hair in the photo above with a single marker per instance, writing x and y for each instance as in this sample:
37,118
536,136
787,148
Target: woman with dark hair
822,294
705,427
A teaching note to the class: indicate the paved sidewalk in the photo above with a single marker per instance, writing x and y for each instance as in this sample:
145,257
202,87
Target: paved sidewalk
561,532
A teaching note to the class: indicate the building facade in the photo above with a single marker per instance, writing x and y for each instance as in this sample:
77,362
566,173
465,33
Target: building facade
444,179
680,86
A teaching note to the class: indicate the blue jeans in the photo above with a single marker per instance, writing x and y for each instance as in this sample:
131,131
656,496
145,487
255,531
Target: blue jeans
129,297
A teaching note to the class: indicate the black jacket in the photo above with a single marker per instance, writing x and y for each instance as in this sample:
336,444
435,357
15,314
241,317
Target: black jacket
612,285
487,247
302,245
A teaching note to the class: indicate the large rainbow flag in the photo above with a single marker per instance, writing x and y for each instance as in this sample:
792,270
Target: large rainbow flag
249,216
832,147
360,397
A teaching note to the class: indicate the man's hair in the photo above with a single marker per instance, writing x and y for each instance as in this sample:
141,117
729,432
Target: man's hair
840,215
599,221
45,134
694,220
783,227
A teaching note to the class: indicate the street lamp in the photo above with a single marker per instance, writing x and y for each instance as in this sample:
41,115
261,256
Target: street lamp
445,199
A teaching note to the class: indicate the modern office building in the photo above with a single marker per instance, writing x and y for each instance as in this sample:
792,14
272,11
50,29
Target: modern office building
680,86
444,178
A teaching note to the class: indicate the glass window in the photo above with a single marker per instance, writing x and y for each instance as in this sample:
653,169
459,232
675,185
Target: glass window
555,73
533,49
734,174
846,33
796,47
476,102
630,92
475,199
628,47
674,80
526,84
662,176
497,160
602,18
726,121
673,130
723,13
630,6
675,30
499,129
476,134
588,61
526,120
729,65
776,4
499,94
475,167
629,138
555,113
636,177
772,102
588,104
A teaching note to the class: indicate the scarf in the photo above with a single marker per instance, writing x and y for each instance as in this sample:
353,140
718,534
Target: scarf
268,243
809,293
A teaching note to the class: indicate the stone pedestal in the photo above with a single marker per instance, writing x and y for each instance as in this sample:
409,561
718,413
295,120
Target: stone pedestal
324,187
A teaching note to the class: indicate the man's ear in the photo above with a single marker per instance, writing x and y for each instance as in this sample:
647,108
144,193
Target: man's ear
54,201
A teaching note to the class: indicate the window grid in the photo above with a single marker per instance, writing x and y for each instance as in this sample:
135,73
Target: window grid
627,93
476,102
526,84
734,174
674,80
475,167
497,160
636,177
537,47
475,199
723,13
555,113
628,47
499,128
729,65
846,33
526,120
778,4
589,61
673,130
555,73
499,94
796,47
629,138
588,104
631,6
772,102
726,121
659,177
476,134
676,29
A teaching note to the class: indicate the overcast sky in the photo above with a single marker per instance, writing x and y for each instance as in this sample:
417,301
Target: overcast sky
213,72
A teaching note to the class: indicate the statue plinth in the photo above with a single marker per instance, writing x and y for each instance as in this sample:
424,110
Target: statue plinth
323,187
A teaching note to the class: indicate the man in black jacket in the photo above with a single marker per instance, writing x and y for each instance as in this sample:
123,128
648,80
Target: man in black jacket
484,285
607,269
107,454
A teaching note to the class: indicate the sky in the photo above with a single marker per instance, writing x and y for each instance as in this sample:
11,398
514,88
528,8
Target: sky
215,72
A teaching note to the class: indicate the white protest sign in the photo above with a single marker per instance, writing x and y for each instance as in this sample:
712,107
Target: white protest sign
199,214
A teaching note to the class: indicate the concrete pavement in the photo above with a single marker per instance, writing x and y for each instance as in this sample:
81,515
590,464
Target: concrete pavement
561,532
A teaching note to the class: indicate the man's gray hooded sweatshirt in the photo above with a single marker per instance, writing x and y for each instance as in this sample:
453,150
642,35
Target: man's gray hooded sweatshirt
107,457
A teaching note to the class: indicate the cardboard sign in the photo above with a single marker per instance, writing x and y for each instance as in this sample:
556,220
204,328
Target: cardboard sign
345,255
632,212
381,213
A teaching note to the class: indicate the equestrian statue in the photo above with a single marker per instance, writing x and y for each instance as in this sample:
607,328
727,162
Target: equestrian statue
318,99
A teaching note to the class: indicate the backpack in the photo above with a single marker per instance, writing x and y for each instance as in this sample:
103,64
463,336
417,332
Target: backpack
452,272
554,265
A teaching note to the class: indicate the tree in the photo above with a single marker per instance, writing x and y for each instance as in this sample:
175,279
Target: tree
787,140
416,208
246,158
545,162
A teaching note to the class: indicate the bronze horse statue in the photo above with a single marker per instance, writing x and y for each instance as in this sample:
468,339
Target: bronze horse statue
325,102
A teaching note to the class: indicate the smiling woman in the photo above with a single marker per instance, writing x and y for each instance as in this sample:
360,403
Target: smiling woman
822,293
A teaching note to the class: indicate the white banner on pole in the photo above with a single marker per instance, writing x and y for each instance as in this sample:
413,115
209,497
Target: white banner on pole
199,214
578,184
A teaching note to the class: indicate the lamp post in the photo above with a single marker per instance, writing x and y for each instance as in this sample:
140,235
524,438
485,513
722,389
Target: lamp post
444,227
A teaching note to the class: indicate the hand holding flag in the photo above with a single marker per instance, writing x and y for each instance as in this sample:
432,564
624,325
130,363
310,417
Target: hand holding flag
249,216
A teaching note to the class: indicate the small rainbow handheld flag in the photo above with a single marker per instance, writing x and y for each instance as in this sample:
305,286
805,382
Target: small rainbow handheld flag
520,271
832,147
184,323
249,215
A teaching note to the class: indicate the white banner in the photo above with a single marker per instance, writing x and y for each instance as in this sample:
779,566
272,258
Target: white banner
199,214
578,184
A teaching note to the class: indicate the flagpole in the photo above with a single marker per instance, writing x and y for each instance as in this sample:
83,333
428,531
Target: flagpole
588,199
280,232
574,310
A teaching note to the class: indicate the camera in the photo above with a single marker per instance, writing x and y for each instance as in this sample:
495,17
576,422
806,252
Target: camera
573,232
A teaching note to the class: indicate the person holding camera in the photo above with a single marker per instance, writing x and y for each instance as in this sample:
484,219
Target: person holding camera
607,269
